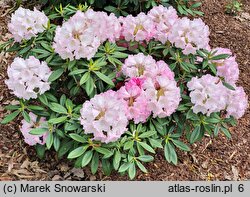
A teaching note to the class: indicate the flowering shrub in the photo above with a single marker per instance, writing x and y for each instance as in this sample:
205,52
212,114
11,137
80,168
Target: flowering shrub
102,89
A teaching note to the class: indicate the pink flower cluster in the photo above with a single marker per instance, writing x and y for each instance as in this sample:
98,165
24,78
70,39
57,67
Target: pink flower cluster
28,78
226,68
107,114
164,19
82,34
34,123
189,35
209,95
26,24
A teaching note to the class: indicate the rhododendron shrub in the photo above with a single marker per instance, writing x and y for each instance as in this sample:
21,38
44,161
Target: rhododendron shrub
102,89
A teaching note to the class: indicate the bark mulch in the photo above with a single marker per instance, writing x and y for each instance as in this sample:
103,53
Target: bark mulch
211,159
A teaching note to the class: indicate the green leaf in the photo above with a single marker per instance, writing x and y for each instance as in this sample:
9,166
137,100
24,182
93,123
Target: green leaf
89,86
58,108
78,71
26,116
110,8
95,163
38,131
142,168
10,117
213,68
56,74
132,171
147,147
219,57
155,143
84,78
226,132
228,86
170,153
77,152
35,108
43,99
49,140
145,158
40,150
105,78
124,167
103,151
147,134
87,158
128,145
56,143
216,130
181,145
106,167
195,134
65,147
117,159
58,120
78,138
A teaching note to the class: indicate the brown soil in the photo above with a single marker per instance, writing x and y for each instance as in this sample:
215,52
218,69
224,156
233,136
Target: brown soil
211,159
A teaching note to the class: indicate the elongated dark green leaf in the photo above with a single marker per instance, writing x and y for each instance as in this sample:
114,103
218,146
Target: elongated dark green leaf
35,107
132,171
78,138
78,71
38,131
49,140
58,108
147,147
181,145
84,78
87,158
219,57
147,134
10,117
95,163
26,116
77,152
124,167
105,78
58,120
56,74
103,151
142,168
145,158
195,134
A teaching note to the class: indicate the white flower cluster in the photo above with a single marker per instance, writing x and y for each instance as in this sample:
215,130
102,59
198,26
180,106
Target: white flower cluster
26,24
28,78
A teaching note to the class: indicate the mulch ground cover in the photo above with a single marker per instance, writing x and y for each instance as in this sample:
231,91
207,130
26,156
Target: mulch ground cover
211,159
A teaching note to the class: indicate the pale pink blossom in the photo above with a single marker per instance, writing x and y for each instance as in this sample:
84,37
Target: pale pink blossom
105,117
28,78
208,94
34,124
139,65
138,28
163,96
26,24
227,68
189,35
163,18
76,38
134,95
237,102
